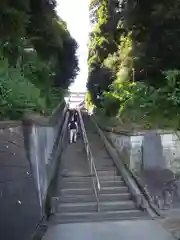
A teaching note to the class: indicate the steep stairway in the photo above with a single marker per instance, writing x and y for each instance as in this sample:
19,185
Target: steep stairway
77,203
75,199
122,206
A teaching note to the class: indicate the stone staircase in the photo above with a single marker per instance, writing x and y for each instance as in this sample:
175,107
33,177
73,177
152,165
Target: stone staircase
76,200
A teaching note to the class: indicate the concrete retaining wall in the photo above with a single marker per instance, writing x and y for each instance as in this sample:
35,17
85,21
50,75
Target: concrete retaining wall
20,209
42,137
130,148
27,160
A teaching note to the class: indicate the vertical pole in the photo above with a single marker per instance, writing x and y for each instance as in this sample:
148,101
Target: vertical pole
133,72
91,165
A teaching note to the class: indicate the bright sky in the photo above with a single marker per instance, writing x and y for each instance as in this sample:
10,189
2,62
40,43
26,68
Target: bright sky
75,13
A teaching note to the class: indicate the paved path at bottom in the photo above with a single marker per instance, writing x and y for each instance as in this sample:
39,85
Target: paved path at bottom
125,230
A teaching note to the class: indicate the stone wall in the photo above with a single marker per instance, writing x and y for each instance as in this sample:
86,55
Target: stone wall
28,154
42,140
19,204
154,158
171,150
130,148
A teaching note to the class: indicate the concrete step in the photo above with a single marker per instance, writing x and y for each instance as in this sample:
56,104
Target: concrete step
97,216
77,207
86,179
91,198
107,173
86,191
115,197
111,183
107,160
89,184
105,167
117,205
92,206
102,170
76,179
76,191
114,189
110,178
77,198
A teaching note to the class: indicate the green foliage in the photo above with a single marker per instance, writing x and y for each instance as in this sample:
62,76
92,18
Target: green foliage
39,52
17,93
36,70
38,23
14,21
102,44
88,101
93,62
155,35
55,96
110,105
93,6
141,57
145,105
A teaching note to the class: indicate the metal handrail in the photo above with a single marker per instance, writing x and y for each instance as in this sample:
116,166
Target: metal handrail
93,171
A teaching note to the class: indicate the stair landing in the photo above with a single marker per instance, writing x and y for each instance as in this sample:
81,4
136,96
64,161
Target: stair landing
124,230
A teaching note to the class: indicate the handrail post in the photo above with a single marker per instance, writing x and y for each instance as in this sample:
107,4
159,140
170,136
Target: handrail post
91,167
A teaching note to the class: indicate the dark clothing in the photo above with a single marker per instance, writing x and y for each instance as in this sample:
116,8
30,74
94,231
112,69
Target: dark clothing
70,115
72,125
75,117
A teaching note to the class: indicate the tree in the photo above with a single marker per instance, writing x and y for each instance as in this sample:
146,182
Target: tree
33,36
144,37
137,42
102,43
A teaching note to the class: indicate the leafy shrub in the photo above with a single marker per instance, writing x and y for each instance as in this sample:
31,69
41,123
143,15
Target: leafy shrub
111,105
146,105
17,94
88,100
